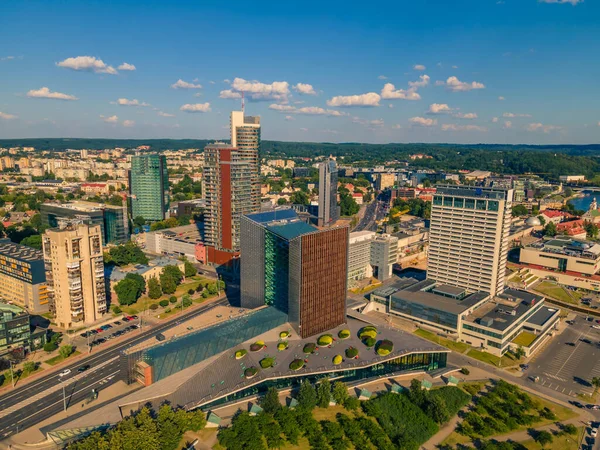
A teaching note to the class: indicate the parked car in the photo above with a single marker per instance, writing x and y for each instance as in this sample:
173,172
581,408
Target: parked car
99,330
596,327
84,335
594,432
64,373
570,344
117,323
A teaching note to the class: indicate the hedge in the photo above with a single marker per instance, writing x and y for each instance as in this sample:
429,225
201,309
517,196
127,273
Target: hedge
344,334
369,342
241,353
282,346
250,372
309,348
326,339
164,303
337,359
297,364
385,347
267,362
258,345
153,306
351,352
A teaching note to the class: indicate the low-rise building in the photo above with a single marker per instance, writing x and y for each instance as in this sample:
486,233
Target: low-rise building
177,241
16,331
571,178
563,254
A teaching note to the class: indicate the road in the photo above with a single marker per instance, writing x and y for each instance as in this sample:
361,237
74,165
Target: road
373,213
45,406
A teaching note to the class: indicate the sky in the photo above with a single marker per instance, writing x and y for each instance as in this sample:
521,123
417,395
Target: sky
463,71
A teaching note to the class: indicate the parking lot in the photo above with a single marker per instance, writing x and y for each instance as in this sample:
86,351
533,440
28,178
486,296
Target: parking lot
571,360
110,331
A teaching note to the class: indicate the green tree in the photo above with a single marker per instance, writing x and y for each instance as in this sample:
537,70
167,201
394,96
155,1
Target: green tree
139,221
543,438
36,221
300,198
154,288
550,229
169,429
570,429
591,230
29,367
128,291
139,280
174,272
307,397
519,210
186,300
35,241
189,269
324,393
167,283
270,401
519,352
596,382
351,403
437,409
50,346
541,219
339,392
65,351
348,205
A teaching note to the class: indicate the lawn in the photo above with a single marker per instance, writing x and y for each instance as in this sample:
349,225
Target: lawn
558,292
58,359
457,347
506,361
24,375
524,339
565,442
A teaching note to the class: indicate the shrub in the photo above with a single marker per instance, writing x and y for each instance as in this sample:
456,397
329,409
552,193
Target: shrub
309,348
250,372
240,353
366,332
326,339
153,306
284,335
267,362
385,347
351,352
191,291
297,364
168,310
337,359
344,334
164,303
257,346
465,371
282,346
116,310
369,342
50,347
173,299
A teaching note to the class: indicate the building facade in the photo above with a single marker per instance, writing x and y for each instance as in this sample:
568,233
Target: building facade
468,237
359,255
563,254
384,181
328,183
384,254
111,219
22,277
245,136
16,332
149,186
75,273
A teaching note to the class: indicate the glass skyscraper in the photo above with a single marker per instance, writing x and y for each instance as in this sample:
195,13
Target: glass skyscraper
328,185
149,187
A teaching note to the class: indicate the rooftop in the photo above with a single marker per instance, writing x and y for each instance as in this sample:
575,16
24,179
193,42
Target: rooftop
273,215
19,252
291,230
84,206
563,245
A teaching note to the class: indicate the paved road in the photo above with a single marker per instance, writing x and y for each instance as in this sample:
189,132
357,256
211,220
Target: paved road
373,213
46,406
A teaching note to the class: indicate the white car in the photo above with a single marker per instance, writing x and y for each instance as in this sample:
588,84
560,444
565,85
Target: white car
596,327
64,373
594,432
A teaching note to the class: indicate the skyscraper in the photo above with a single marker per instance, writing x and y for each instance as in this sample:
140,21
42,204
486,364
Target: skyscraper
245,136
468,237
228,191
328,181
75,273
296,268
149,186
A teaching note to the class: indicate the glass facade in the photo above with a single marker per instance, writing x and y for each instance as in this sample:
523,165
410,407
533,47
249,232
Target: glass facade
408,363
466,203
276,271
149,186
424,312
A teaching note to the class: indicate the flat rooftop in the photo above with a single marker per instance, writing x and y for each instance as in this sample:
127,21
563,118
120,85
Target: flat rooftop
292,230
19,252
568,246
84,206
542,316
391,288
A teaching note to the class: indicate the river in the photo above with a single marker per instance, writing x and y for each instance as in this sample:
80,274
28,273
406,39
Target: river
583,203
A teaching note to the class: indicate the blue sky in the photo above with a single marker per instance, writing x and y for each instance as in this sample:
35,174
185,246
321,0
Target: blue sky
512,71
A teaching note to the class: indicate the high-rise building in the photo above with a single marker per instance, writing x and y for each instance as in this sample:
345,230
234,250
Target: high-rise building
384,254
328,181
295,267
245,136
468,237
228,192
22,277
75,273
359,255
112,219
385,180
149,186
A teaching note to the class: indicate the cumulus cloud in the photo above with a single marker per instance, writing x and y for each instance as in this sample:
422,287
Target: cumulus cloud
422,121
128,123
507,124
44,92
494,119
87,64
423,81
382,77
196,108
375,123
419,67
164,114
7,116
439,108
541,127
513,115
228,93
126,66
455,67
133,102
455,85
255,90
306,89
180,84
571,2
309,110
454,127
390,92
7,58
289,118
368,99
466,115
110,119
501,98
282,108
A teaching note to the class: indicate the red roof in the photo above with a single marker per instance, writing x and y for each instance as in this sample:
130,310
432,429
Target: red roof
551,213
98,185
357,194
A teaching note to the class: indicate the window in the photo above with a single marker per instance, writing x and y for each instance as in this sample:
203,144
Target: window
469,203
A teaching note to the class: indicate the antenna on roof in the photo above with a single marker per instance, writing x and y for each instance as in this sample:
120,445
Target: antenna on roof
242,102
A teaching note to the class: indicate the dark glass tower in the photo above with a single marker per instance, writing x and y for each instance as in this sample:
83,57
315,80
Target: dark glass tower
149,187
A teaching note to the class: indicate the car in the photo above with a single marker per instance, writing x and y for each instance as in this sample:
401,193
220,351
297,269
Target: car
104,327
134,317
93,331
126,319
64,373
107,327
598,321
102,340
117,323
83,368
590,319
577,404
596,327
570,344
134,327
83,335
594,432
587,341
219,316
99,330
571,322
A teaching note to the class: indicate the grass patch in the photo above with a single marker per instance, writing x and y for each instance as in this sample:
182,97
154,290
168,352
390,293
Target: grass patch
558,292
524,339
58,359
564,442
506,360
458,347
7,382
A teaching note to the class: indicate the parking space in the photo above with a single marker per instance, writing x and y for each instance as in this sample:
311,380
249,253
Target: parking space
570,362
110,331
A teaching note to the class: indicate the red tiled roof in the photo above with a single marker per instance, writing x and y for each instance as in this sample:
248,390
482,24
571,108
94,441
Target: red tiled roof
551,213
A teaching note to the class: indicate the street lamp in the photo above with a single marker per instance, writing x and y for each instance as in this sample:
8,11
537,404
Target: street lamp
12,375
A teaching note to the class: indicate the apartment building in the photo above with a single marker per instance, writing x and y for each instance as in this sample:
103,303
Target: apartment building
468,237
22,277
384,254
75,273
359,255
329,212
245,137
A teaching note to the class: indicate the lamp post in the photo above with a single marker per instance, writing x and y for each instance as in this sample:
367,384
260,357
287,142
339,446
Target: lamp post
12,374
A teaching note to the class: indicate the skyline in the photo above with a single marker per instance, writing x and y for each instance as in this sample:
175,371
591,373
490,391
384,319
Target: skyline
470,72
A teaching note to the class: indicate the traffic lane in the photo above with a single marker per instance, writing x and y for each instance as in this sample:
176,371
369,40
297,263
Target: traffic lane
30,389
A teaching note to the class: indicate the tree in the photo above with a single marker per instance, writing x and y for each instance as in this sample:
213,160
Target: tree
437,409
186,300
519,210
324,393
50,346
568,191
189,269
139,280
339,392
519,352
154,289
300,198
542,219
543,438
29,367
550,229
139,221
174,272
570,429
591,230
128,291
596,382
348,206
65,351
307,397
351,403
35,241
270,401
281,201
416,394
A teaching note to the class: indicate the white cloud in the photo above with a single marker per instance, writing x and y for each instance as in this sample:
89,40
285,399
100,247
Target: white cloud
198,94
164,114
396,126
228,93
126,66
390,92
7,116
453,127
382,77
423,81
211,82
599,124
303,88
282,108
455,67
289,118
501,98
419,67
133,102
541,127
309,110
466,115
439,108
328,131
454,84
128,123
7,58
422,121
494,119
369,99
507,124
571,2
255,90
44,92
88,64
227,80
180,84
111,119
512,115
196,108
376,123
